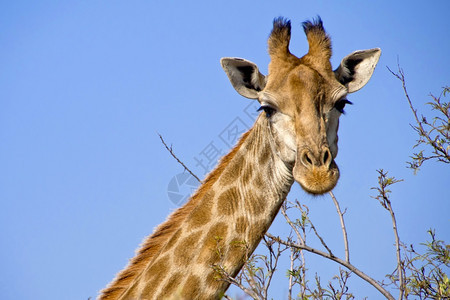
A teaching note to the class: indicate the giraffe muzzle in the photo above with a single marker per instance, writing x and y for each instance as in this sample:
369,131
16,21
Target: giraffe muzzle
317,173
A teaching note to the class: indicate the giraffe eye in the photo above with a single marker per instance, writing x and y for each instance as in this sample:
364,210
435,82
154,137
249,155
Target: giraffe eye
269,110
341,104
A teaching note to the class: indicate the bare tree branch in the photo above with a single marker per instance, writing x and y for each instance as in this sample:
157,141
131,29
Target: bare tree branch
344,230
302,239
440,131
320,238
288,220
178,160
383,197
291,270
225,276
401,275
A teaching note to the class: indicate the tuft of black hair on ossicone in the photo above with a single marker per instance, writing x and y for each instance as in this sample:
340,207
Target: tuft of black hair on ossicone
314,24
281,24
279,37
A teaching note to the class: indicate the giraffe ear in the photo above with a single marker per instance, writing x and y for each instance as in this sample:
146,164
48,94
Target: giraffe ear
244,76
357,68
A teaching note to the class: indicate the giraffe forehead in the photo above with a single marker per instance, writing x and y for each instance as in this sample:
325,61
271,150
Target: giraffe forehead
301,87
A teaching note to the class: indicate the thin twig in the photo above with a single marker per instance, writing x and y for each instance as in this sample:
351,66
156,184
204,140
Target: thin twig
291,270
439,150
397,246
225,276
273,263
320,238
288,220
177,159
342,262
401,76
383,197
302,240
344,230
315,231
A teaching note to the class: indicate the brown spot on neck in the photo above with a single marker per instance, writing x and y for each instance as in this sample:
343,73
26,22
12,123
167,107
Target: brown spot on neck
228,202
185,249
202,214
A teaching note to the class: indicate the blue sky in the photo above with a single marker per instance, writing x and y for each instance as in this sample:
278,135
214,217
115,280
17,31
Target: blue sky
86,86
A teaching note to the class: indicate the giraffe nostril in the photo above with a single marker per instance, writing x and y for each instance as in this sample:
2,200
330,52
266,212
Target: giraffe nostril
321,158
306,159
327,157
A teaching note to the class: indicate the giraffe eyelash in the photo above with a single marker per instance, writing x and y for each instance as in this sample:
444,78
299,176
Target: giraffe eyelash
269,110
339,105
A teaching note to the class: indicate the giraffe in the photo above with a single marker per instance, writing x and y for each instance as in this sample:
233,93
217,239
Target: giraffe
294,138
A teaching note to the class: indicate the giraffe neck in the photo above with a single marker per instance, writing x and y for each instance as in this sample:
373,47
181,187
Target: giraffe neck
219,227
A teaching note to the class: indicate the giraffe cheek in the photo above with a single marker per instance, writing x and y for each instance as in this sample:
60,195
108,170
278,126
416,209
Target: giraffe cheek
285,141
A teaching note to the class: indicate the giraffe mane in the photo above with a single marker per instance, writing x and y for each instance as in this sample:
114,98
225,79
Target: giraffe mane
154,243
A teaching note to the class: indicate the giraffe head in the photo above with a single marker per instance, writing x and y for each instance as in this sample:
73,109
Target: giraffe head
303,98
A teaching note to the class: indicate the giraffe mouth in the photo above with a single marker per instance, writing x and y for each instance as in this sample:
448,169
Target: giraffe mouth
316,180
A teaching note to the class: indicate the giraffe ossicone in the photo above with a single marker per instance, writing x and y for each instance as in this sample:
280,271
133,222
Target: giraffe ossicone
293,139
